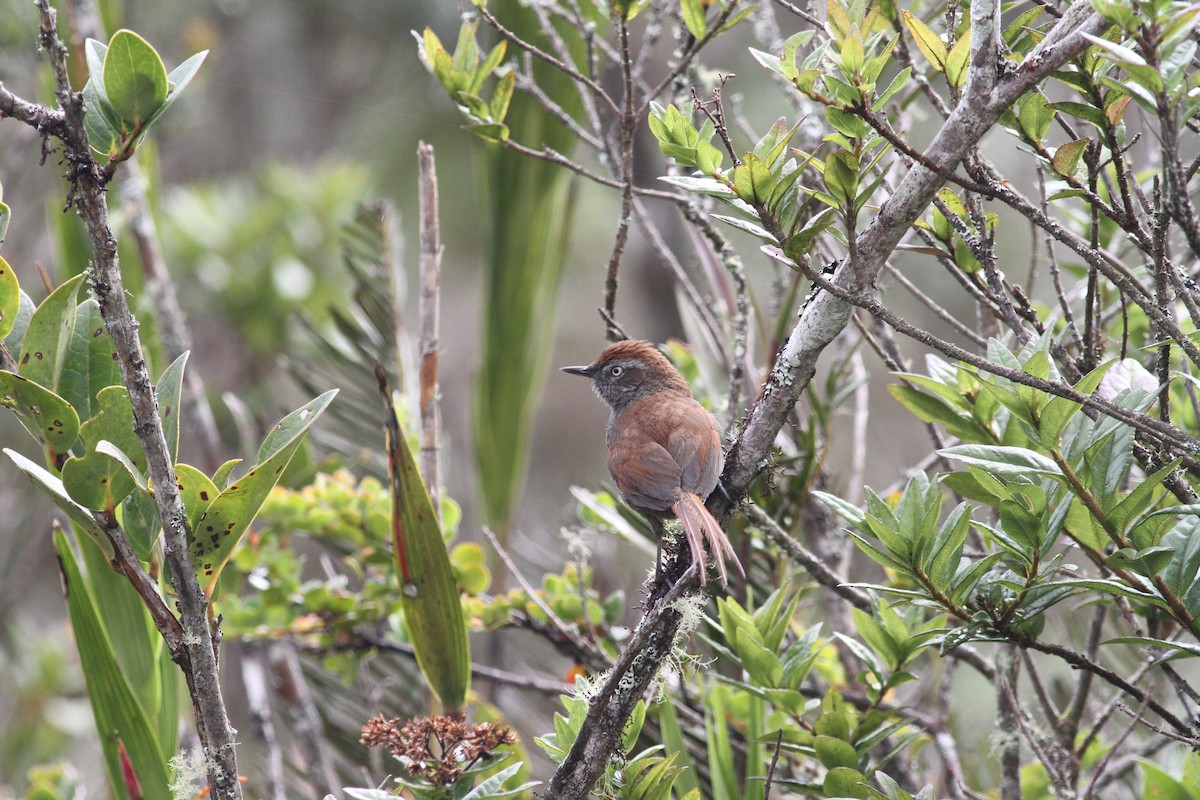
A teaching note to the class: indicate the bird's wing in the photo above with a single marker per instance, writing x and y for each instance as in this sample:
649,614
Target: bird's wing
695,444
646,474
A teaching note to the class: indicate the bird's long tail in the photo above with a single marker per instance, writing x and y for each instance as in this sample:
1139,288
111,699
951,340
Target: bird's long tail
700,528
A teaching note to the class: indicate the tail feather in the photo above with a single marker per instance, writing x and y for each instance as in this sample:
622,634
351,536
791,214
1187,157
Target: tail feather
699,529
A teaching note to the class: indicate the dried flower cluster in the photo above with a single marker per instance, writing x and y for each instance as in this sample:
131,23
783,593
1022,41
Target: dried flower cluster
438,749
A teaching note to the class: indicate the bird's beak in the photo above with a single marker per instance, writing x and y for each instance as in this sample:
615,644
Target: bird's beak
584,371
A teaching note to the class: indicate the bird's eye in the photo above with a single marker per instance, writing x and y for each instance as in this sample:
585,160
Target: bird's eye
615,370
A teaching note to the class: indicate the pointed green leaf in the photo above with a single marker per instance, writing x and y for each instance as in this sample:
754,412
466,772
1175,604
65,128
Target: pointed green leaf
928,42
957,61
10,294
693,18
503,96
80,517
429,595
1066,158
103,138
90,363
120,719
221,527
1009,462
752,180
48,335
169,393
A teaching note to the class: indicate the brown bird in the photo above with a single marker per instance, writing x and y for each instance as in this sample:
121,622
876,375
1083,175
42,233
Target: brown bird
663,448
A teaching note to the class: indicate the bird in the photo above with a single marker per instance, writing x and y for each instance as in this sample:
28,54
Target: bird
664,451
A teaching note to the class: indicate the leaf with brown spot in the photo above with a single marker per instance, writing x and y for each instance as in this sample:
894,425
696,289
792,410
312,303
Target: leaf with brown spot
49,334
48,417
96,479
88,365
230,514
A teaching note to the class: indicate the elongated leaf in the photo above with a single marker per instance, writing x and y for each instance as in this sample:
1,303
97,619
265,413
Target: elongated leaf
48,335
221,527
90,363
1009,462
957,61
80,517
674,743
928,42
120,719
430,597
10,294
693,18
529,208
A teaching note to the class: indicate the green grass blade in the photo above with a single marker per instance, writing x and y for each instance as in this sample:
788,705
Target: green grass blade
120,719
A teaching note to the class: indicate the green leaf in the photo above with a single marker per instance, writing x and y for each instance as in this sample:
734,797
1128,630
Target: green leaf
835,753
169,393
80,517
841,177
503,96
844,782
693,18
674,742
1035,116
762,664
90,363
120,719
49,335
1149,562
221,527
10,297
429,595
1004,461
1137,501
135,79
774,143
96,480
46,416
1066,158
1158,784
957,61
492,788
901,80
752,180
928,42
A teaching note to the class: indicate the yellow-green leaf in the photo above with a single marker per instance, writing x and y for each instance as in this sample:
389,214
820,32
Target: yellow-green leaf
10,293
928,42
1066,158
219,529
957,61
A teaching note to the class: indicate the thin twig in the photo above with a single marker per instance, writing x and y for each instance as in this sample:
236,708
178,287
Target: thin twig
564,630
431,265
